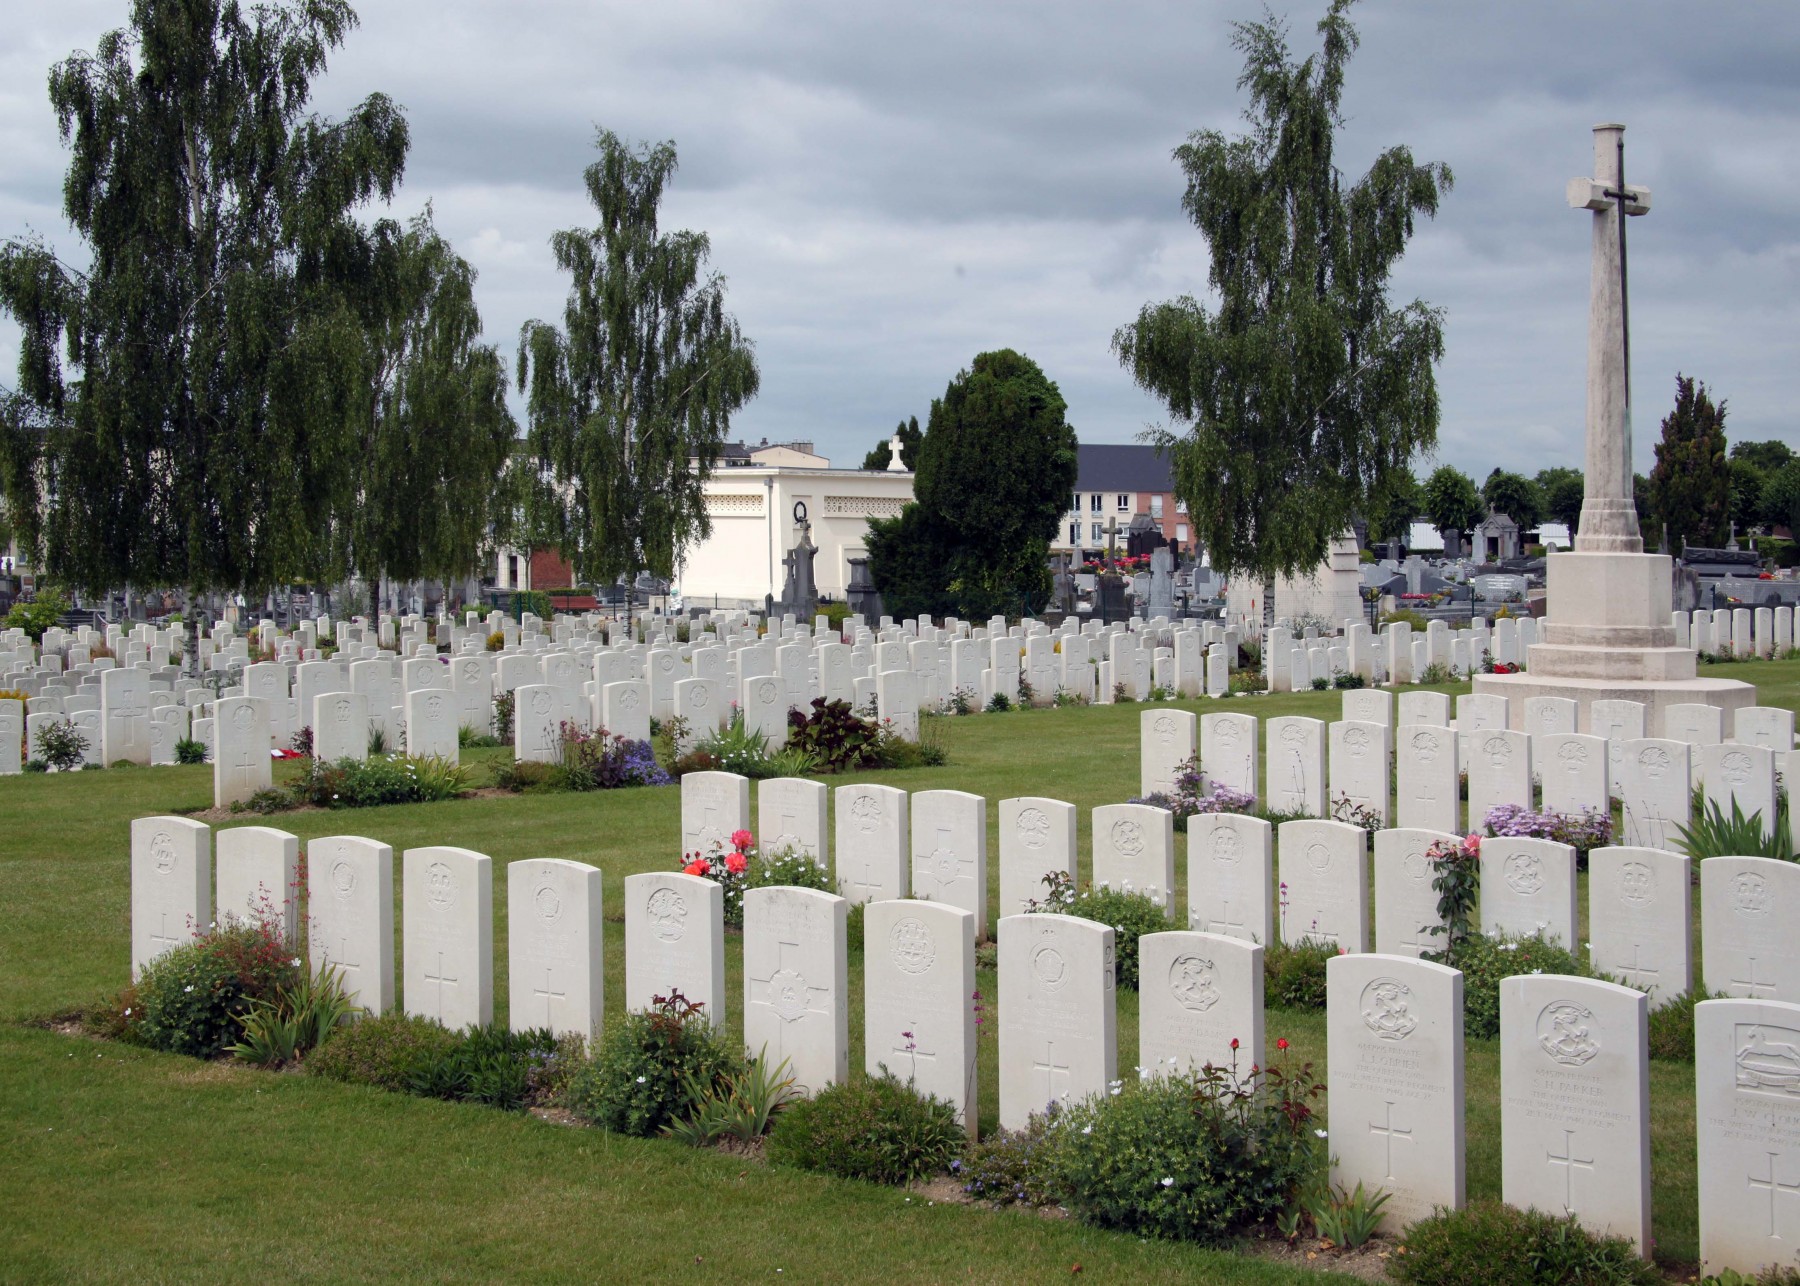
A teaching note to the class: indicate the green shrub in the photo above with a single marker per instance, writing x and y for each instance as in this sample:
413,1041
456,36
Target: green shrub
877,1128
1771,1275
1348,679
835,735
1499,1245
1436,672
193,998
653,1068
1484,961
61,744
383,779
189,751
298,1019
1131,915
1672,1026
1294,973
1013,1167
37,615
734,748
1405,616
491,1065
1191,1158
528,776
503,714
1248,681
386,1050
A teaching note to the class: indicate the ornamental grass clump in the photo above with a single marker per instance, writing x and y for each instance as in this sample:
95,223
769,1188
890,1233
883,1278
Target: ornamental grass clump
1198,1156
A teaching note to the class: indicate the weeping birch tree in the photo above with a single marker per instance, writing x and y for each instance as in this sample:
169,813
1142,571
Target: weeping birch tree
184,398
1296,394
630,402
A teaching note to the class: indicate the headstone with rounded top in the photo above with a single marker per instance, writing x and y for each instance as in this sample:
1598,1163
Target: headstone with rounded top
1230,871
796,980
1406,906
919,1000
1323,892
872,851
1058,1013
1134,851
1037,838
171,885
447,905
1640,920
350,916
675,942
1200,1001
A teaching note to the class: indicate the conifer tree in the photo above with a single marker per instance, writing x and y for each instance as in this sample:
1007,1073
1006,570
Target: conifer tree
1690,486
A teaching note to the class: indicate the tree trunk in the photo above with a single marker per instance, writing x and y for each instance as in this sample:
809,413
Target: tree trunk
1268,609
190,620
374,602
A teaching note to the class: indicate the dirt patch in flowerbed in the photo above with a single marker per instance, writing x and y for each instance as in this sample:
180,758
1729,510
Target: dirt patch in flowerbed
1368,1261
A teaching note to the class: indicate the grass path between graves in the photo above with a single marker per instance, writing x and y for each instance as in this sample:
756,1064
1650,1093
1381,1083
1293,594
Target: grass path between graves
123,1164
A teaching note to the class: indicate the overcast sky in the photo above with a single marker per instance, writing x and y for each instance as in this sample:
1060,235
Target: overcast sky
891,189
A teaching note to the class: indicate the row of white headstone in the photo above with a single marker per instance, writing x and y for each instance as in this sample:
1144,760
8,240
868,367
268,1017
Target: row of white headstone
1736,631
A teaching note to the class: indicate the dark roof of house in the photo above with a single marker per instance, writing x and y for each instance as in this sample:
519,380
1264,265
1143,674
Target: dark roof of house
1107,466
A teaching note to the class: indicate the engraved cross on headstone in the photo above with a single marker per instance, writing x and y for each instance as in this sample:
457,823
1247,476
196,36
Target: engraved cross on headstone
1569,1163
549,995
1223,924
1751,983
1052,1071
162,936
909,1048
441,978
1773,1187
1637,970
816,1003
1389,1132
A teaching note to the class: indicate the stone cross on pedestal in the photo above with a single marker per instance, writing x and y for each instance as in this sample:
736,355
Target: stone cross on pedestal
1112,539
1608,512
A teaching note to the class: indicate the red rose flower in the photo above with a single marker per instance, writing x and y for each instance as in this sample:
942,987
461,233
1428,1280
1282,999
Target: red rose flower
701,867
736,863
1282,1043
742,840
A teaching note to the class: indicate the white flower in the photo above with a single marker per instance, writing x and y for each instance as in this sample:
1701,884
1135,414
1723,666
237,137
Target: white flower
641,1080
295,962
128,1013
1168,1181
189,987
1087,1129
1537,971
1320,1133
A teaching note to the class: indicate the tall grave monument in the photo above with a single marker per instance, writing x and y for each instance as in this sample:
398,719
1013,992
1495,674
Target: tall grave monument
1607,635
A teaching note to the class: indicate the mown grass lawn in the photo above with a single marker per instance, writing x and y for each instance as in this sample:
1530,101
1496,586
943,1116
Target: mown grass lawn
122,1164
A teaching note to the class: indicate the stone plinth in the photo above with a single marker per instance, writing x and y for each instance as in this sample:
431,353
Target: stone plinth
1608,638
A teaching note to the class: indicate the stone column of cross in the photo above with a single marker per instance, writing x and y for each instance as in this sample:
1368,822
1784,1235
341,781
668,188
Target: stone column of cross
1608,512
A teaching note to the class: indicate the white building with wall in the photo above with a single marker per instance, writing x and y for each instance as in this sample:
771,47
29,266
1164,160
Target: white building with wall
1329,595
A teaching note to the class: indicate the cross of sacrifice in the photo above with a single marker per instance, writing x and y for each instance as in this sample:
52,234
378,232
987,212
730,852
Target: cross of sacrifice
1751,983
1052,1070
440,978
1569,1163
1389,1131
1773,1187
549,995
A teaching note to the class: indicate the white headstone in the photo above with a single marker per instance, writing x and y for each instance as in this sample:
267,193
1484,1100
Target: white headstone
1747,907
918,999
874,860
790,814
1359,755
675,941
1037,837
1499,767
12,737
796,983
625,711
1367,705
259,877
1746,1096
1575,1102
1134,851
1573,769
1228,751
1230,871
714,806
1394,1040
1197,993
1323,892
340,727
1740,778
949,850
1406,906
1545,715
537,724
125,717
447,905
1653,785
240,749
171,885
1427,784
1166,740
433,722
1640,920
350,916
555,945
1296,766
1527,888
1424,707
1058,1016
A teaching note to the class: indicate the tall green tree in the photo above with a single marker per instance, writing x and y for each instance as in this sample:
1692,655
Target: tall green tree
909,433
1752,464
185,397
630,402
1690,485
1780,501
1563,490
1452,504
1514,495
1304,388
993,476
418,498
1396,502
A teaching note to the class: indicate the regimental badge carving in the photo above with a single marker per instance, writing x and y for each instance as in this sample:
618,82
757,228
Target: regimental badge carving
1227,846
434,708
1318,856
1425,746
343,879
1386,1009
1293,735
1227,730
1356,742
341,711
547,902
1523,873
540,703
666,912
471,672
440,885
1569,1033
1191,983
628,699
1750,896
1416,865
943,863
698,699
910,946
1048,965
1498,751
787,995
1127,838
767,692
866,813
243,717
1637,883
1574,756
1164,727
162,852
1768,1059
1735,765
1033,827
